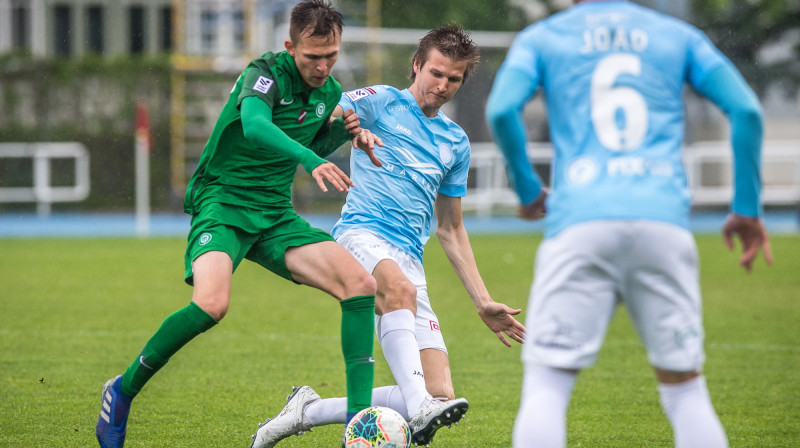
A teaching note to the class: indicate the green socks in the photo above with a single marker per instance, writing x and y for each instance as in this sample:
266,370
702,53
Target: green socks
358,316
358,322
177,329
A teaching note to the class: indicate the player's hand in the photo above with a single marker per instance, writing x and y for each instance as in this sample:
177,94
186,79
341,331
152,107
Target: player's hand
753,236
366,141
534,210
335,176
500,319
351,122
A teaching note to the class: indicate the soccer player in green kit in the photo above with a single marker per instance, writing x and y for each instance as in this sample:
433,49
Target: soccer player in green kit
280,113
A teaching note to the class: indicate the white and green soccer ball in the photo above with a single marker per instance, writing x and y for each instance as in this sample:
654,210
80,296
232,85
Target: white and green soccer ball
378,427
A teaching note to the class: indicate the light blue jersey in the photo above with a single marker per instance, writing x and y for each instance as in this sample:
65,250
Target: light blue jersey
421,158
613,75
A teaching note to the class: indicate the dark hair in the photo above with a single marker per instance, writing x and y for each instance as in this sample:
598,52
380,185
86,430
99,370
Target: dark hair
315,18
452,41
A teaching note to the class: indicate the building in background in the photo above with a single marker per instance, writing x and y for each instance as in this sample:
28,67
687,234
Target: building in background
69,28
73,28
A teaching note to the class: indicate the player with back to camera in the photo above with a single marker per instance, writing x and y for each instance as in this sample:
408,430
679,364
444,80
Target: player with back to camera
385,224
616,226
279,114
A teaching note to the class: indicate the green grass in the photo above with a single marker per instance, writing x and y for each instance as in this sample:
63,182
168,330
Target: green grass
74,312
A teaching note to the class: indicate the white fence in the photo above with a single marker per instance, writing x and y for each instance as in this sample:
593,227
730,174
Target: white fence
708,166
42,192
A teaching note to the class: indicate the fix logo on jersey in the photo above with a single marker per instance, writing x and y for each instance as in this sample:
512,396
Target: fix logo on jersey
445,153
263,84
205,238
434,325
357,94
302,117
403,129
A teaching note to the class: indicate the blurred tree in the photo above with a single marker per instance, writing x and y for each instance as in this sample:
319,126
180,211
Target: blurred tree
762,37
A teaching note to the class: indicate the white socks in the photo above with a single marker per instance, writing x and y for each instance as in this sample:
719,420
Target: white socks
541,421
399,343
334,410
691,414
542,418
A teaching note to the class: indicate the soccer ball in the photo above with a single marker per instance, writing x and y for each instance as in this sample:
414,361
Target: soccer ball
378,427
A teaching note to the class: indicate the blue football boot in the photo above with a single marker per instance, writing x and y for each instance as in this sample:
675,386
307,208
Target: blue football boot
113,414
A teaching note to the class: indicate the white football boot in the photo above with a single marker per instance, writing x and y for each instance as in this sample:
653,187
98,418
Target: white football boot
288,422
432,415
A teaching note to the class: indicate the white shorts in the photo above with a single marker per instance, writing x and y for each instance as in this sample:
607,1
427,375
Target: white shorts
369,249
585,271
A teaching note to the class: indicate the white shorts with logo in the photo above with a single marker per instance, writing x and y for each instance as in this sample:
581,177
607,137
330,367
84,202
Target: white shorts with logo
584,272
370,249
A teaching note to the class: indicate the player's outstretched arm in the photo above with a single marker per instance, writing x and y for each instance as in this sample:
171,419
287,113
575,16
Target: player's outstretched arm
753,236
455,242
259,129
510,91
500,319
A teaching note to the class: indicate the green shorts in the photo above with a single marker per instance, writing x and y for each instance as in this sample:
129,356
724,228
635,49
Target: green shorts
261,236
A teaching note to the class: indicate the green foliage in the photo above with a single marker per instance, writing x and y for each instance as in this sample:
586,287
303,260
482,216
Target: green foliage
76,312
742,28
127,70
90,100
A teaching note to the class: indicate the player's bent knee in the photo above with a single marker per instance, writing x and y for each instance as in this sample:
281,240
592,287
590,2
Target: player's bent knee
362,284
400,295
217,308
216,313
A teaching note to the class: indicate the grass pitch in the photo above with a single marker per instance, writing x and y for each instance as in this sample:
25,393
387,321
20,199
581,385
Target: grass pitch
75,312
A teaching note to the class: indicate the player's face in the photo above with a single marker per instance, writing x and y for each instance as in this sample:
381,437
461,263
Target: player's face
314,57
437,81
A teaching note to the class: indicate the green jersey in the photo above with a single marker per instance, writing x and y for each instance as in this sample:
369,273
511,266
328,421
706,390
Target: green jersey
232,170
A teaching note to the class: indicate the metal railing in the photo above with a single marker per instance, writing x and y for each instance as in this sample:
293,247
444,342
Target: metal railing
42,192
708,167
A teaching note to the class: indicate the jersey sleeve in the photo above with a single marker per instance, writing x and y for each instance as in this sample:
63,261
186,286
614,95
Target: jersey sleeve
259,129
712,75
702,58
522,54
515,83
454,183
365,102
726,88
261,83
330,137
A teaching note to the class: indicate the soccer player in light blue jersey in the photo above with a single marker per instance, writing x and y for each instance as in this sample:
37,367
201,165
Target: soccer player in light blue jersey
612,74
385,224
